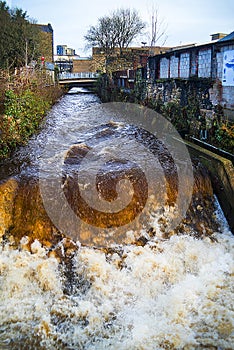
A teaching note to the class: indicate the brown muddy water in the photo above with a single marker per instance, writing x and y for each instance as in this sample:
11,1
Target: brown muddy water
144,288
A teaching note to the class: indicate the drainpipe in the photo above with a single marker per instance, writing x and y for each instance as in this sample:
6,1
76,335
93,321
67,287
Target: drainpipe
26,52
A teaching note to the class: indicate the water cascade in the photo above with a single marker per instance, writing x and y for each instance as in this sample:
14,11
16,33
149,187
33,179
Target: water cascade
123,279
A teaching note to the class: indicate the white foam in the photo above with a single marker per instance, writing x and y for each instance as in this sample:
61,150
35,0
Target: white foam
176,294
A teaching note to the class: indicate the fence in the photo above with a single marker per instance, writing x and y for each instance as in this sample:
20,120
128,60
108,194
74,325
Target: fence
81,75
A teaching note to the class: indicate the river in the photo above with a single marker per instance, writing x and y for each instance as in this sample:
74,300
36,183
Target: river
114,292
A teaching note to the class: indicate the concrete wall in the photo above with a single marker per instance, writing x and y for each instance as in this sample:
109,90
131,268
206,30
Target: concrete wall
222,176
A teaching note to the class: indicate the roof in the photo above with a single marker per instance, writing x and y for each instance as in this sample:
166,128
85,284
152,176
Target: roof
227,37
47,28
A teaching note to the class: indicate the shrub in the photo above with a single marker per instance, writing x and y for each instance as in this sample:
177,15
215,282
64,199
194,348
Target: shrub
224,137
23,115
25,102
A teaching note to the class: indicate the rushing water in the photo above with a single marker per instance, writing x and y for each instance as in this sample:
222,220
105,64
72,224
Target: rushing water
68,117
168,294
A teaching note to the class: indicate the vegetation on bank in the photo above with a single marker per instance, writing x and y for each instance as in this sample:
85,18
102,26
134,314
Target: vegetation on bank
188,118
24,101
27,90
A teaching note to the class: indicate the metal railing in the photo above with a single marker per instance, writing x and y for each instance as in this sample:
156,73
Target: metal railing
81,75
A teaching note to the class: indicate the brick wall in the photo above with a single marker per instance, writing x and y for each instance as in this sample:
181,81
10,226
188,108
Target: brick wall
130,58
82,65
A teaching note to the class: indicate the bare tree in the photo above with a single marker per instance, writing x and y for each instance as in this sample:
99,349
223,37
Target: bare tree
128,26
158,28
102,35
117,30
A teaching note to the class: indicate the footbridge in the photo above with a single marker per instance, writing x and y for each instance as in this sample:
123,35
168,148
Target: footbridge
82,79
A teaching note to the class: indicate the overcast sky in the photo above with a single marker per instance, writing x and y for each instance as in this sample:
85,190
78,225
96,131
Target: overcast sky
188,21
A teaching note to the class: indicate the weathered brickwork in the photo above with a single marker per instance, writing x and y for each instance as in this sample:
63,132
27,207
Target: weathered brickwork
82,65
228,97
129,58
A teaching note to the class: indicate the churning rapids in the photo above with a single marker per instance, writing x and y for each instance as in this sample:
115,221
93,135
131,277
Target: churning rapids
152,292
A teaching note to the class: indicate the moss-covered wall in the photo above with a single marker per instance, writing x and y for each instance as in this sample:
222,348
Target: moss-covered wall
222,176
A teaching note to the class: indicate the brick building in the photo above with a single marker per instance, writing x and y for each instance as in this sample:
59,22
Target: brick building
130,58
46,41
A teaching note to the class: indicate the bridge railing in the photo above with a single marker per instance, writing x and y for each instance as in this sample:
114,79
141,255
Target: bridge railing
81,75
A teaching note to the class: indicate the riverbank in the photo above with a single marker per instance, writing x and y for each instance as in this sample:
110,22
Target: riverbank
24,101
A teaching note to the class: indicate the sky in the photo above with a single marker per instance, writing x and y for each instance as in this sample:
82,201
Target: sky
191,21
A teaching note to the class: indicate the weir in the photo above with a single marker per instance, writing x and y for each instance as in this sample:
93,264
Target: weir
139,279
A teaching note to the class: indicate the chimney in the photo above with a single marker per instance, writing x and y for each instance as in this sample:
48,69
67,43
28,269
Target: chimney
217,36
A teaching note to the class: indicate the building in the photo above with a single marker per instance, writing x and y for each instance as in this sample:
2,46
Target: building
129,58
213,60
64,58
46,42
225,69
63,50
